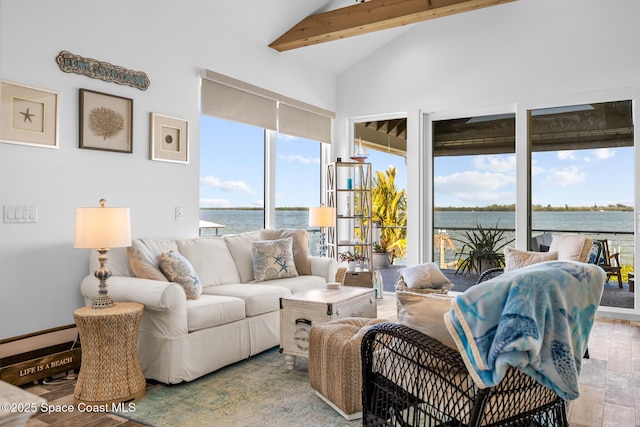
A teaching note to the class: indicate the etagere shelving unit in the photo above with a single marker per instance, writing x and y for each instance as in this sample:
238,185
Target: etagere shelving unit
349,192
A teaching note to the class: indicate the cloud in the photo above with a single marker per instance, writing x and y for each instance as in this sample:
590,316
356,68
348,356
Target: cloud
477,188
564,177
258,203
604,153
472,181
232,186
296,158
215,203
567,155
503,164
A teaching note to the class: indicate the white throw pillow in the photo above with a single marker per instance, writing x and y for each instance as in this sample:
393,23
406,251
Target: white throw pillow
424,276
179,270
273,259
425,313
516,258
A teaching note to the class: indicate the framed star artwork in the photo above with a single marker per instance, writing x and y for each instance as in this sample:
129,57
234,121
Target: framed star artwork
28,115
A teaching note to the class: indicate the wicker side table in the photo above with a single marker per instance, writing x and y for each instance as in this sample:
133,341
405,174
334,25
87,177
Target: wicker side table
110,371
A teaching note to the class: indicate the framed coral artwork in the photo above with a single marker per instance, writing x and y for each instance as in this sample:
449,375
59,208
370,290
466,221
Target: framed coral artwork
106,122
169,139
28,115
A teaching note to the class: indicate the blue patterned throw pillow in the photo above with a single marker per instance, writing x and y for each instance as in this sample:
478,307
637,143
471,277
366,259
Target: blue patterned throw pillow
178,269
273,259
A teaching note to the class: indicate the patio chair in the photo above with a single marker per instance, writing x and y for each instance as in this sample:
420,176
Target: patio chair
610,262
570,247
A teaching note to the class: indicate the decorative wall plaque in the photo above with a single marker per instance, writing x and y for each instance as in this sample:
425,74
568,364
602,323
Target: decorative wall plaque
70,63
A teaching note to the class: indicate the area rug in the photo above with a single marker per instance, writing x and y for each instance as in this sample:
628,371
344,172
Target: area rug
259,391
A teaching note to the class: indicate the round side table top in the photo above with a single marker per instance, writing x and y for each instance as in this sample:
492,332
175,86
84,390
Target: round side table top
119,308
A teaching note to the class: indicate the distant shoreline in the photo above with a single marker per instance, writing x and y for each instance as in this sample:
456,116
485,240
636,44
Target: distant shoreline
492,208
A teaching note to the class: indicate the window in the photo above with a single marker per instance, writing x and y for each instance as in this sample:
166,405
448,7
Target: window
582,179
259,152
231,179
474,180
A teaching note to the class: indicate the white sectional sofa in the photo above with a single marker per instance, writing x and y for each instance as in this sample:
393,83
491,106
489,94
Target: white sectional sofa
233,319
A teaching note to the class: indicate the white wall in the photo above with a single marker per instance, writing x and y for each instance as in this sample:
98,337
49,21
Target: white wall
496,56
171,41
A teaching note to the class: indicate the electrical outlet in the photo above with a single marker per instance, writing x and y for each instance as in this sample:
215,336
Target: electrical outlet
178,213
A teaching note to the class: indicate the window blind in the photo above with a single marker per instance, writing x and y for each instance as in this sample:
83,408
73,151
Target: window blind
232,99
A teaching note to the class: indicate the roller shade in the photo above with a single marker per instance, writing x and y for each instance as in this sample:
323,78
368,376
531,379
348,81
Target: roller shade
297,121
232,99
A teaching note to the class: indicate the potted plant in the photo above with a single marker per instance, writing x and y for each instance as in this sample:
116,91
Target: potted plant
381,255
350,258
482,249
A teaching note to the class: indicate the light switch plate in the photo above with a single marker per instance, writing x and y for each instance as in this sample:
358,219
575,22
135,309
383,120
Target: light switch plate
20,213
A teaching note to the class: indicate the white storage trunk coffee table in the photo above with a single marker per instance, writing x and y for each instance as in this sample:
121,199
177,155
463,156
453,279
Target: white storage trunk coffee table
298,312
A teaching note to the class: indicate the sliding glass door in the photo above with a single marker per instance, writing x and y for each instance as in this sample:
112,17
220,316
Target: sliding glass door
582,181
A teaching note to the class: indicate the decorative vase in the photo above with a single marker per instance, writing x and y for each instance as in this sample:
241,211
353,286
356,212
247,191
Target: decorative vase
381,259
351,266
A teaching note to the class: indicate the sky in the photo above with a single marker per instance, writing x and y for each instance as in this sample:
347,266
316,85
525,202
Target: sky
230,180
572,177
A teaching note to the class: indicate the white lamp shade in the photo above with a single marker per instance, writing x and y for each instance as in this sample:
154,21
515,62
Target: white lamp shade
98,228
322,217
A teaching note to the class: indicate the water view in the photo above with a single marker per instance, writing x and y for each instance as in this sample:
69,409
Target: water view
617,227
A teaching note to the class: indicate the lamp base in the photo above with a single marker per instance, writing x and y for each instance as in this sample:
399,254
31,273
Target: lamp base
103,301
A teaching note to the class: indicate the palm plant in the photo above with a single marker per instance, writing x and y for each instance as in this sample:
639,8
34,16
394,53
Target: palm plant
389,206
481,249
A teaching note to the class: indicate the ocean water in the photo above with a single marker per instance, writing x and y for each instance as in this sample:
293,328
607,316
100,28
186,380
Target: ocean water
617,227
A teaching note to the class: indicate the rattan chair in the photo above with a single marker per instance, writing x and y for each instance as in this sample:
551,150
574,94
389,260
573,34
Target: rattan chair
410,379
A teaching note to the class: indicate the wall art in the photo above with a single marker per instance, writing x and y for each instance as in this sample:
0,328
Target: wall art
106,122
169,139
28,115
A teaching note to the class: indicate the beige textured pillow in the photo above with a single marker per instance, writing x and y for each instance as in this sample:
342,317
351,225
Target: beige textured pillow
143,263
300,246
425,313
516,258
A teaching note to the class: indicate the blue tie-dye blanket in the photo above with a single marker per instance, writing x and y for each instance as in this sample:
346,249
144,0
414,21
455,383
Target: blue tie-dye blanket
537,318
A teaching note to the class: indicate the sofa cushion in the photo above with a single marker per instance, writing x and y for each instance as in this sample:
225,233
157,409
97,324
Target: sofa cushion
425,313
516,258
299,284
178,269
211,259
213,310
300,245
239,246
259,298
273,259
424,276
144,257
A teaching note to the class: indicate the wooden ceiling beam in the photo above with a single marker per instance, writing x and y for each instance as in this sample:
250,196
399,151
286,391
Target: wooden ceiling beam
372,15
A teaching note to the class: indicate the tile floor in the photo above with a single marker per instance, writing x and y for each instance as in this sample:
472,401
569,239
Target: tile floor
610,378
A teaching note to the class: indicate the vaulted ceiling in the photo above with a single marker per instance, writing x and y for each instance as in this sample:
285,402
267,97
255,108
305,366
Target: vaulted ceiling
370,16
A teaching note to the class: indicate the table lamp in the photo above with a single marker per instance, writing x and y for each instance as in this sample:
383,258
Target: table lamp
102,229
322,217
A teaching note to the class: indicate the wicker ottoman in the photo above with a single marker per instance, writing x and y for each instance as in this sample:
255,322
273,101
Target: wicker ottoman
335,368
